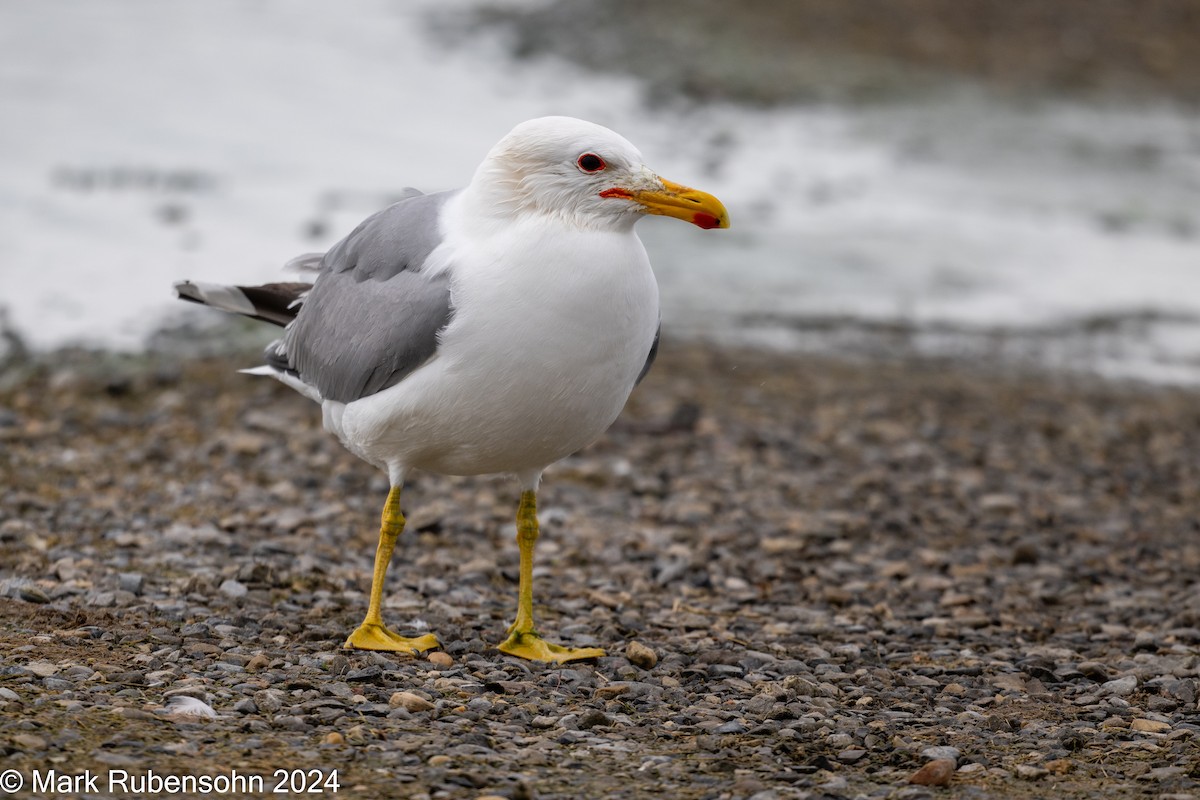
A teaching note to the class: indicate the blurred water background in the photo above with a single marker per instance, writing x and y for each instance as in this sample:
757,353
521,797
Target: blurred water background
980,179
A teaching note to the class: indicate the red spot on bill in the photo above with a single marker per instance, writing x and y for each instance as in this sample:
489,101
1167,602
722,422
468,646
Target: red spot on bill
706,221
616,191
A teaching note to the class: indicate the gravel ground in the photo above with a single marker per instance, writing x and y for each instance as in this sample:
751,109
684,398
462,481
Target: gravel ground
814,580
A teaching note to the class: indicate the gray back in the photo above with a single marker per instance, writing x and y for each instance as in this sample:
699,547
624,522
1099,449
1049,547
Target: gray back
373,315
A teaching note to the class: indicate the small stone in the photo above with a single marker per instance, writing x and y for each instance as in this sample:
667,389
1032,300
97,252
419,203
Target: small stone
1150,726
479,705
1094,670
258,663
438,761
43,669
936,773
131,582
245,706
1031,773
333,737
32,594
441,660
941,753
842,740
1164,773
640,655
851,756
268,700
733,726
1182,690
592,719
369,674
29,742
611,691
233,589
409,702
1120,687
291,722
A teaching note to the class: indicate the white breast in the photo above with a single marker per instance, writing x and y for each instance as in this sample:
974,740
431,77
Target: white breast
551,327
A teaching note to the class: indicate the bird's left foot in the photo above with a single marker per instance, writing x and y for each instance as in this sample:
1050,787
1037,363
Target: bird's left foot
378,637
535,648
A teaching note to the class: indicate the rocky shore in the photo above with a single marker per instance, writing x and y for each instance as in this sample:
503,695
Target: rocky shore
813,579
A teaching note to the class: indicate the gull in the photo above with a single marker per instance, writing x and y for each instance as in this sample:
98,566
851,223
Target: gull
497,328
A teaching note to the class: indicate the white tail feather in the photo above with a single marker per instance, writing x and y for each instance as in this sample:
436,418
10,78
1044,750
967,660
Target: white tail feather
288,379
226,298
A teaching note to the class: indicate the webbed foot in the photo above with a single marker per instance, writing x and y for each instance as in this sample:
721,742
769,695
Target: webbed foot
371,636
535,648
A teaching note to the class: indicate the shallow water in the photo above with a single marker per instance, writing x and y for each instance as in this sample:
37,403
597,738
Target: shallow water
217,140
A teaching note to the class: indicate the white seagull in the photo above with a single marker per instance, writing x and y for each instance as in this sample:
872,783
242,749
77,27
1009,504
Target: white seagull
493,329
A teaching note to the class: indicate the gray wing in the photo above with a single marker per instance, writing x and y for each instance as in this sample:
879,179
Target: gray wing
373,314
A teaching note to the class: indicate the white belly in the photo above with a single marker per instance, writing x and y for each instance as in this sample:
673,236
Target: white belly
536,363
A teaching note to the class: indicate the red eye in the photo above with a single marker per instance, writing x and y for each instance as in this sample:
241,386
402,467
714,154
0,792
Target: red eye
590,162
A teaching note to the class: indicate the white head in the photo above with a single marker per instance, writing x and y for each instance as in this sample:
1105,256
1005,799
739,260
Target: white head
584,174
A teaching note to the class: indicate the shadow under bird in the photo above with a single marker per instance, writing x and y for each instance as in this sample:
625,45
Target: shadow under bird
493,329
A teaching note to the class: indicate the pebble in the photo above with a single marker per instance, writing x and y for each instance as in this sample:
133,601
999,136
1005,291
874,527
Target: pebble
371,674
593,718
42,669
30,742
269,700
440,659
1119,687
935,773
640,655
1149,726
131,582
233,588
851,756
409,702
941,752
258,663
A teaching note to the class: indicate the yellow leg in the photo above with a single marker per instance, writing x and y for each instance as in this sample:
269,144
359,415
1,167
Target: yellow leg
523,641
372,634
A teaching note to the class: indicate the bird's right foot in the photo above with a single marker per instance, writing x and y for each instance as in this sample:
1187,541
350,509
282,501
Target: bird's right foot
373,636
534,648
